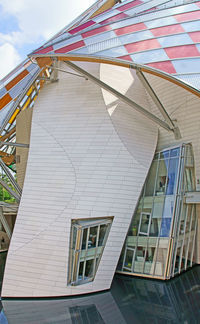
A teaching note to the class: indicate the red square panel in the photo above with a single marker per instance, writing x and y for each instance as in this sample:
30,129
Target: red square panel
165,66
83,26
126,57
114,18
142,46
153,8
45,50
195,36
96,31
130,5
187,16
167,30
182,51
70,47
130,29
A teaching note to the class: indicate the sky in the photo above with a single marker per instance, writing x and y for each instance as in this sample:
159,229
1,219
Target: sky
26,24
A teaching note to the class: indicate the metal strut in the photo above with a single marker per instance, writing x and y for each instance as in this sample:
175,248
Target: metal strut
120,96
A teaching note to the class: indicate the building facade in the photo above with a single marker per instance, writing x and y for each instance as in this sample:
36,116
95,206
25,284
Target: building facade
107,156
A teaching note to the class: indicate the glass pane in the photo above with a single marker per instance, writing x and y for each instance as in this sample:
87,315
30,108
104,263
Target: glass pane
182,220
128,258
139,259
177,262
165,227
189,160
189,215
189,182
97,263
80,272
172,176
167,216
157,215
147,204
144,227
193,219
89,268
149,264
161,258
102,233
175,152
190,252
74,237
151,179
84,239
161,182
154,228
164,155
184,257
92,237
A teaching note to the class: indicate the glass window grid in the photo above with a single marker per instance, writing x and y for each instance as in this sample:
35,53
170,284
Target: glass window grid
76,255
193,241
175,224
182,235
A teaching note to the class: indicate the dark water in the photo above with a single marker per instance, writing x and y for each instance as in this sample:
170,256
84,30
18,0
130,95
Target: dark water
130,300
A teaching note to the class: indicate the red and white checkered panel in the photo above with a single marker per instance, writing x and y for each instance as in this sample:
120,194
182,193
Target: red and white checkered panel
130,31
157,33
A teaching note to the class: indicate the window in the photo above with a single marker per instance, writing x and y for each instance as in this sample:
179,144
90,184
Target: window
88,239
161,215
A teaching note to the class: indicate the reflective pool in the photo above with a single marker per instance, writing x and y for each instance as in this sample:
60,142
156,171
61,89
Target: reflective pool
130,300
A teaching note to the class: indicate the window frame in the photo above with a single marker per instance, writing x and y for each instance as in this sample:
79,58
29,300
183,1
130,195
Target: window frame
78,255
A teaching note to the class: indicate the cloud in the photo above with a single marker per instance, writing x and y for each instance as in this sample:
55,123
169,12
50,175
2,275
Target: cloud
41,19
36,22
9,58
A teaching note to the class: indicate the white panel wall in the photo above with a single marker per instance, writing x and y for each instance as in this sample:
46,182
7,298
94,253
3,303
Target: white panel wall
82,164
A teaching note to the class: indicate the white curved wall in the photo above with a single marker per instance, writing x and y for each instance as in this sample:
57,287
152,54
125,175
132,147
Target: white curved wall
82,164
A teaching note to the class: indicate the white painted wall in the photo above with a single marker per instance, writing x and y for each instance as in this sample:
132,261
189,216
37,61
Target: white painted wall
82,164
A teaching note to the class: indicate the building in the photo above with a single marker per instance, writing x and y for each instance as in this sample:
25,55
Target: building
107,160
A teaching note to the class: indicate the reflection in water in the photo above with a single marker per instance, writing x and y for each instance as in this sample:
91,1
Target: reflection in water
130,300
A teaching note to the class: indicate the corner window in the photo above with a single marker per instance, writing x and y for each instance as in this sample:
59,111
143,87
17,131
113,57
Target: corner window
88,239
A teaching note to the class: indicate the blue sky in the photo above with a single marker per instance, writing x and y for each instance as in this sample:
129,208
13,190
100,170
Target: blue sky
27,24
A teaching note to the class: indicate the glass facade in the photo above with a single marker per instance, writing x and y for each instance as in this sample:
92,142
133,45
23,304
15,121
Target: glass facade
88,239
161,238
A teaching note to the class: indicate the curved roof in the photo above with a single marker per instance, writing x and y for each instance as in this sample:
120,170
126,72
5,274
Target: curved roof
159,34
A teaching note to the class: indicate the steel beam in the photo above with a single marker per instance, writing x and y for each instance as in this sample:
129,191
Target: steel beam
10,177
7,135
12,192
13,206
120,96
14,144
158,103
5,223
61,70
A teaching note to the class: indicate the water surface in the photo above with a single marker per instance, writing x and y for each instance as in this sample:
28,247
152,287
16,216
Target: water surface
130,300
